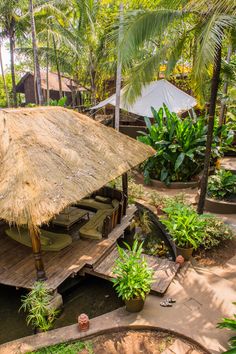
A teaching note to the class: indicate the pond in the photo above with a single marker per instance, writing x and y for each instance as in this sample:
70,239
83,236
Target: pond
91,295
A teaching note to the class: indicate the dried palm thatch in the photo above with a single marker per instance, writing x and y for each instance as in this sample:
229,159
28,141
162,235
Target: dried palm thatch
52,157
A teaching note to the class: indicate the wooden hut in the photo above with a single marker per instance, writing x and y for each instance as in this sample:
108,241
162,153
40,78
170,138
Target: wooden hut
69,88
52,158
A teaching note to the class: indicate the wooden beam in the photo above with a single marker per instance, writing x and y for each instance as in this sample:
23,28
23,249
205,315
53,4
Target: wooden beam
36,246
125,191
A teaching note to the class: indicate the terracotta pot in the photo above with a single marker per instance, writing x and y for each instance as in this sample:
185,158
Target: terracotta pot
186,253
134,305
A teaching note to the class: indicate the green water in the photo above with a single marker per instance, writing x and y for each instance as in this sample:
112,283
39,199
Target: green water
92,296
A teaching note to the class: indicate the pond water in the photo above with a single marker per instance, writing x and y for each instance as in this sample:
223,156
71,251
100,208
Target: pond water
91,295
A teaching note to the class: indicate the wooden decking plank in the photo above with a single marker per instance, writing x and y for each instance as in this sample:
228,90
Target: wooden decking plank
164,270
17,261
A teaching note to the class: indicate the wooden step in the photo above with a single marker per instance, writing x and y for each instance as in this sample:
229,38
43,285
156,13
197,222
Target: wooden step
164,270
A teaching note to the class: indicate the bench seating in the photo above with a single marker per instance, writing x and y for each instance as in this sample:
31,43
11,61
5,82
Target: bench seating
94,227
50,241
92,204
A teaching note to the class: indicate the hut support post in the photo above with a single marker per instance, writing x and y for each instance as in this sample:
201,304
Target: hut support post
125,191
36,246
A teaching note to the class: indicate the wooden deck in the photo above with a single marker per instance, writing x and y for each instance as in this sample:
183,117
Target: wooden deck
17,263
164,270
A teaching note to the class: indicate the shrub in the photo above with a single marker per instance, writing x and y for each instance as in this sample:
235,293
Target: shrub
222,185
36,303
133,275
185,226
230,323
216,231
180,146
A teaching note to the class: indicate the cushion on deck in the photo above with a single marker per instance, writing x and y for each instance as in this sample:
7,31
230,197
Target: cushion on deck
92,203
93,228
101,199
50,241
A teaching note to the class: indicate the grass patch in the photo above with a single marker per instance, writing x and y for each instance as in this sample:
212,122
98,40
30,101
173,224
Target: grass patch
66,348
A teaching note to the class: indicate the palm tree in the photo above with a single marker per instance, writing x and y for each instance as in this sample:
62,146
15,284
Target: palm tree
3,77
35,51
202,22
11,25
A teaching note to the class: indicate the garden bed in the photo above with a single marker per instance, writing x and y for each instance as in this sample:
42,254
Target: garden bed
173,185
131,341
220,206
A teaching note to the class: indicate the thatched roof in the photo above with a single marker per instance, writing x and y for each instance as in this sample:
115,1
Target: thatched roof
52,157
67,84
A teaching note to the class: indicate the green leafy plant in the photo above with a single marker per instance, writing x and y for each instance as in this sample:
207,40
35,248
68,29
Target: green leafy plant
61,102
180,146
37,304
216,231
133,275
67,348
185,226
230,323
222,185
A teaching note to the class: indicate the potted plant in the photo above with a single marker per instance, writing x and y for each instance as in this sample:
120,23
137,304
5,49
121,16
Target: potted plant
37,304
133,277
230,323
185,226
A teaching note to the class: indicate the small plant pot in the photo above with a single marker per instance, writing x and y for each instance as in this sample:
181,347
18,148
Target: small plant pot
184,252
134,305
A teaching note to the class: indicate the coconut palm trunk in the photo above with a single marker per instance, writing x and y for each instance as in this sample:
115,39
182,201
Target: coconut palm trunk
47,73
12,63
35,51
223,107
57,66
3,78
119,73
212,109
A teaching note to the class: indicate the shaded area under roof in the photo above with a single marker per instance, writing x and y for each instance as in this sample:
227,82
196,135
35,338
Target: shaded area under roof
52,157
154,95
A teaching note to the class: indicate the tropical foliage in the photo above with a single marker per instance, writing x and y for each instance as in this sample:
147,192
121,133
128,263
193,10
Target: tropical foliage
180,145
133,277
230,323
216,232
185,226
222,185
40,315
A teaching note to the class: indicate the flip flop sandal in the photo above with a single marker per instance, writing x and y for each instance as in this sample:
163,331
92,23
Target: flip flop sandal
170,300
165,304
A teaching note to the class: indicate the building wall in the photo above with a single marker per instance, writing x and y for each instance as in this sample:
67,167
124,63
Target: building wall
29,90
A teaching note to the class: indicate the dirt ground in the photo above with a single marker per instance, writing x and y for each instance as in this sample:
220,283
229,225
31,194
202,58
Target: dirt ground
137,342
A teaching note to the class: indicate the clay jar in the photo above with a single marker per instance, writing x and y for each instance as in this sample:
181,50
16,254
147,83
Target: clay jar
83,322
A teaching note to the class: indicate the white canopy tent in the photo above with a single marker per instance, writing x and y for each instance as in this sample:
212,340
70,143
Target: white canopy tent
154,95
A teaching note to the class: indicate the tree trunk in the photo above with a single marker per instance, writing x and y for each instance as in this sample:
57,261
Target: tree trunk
119,72
3,77
12,55
92,78
212,109
223,107
47,77
58,68
35,51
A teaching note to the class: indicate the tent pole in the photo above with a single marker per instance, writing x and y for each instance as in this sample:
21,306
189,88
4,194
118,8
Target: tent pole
36,247
125,191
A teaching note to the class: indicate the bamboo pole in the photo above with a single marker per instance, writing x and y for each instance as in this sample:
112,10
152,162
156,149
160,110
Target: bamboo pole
36,247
